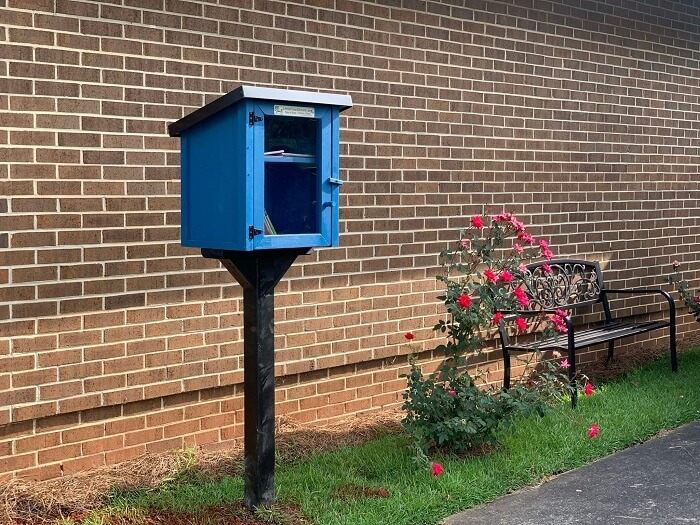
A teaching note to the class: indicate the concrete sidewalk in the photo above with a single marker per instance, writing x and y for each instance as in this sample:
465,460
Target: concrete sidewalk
655,483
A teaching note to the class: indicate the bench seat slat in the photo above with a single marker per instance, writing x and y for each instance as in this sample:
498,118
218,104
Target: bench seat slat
591,336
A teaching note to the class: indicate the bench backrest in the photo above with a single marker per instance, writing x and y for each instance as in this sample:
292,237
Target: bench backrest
570,283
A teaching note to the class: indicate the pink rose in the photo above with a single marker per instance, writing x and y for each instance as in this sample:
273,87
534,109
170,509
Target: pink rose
526,238
521,297
490,276
521,323
519,226
452,393
559,324
564,364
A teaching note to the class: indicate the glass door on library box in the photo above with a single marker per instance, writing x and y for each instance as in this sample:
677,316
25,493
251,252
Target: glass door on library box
294,179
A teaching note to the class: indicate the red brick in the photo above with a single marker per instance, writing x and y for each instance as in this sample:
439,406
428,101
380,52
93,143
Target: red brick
33,443
32,378
34,411
123,425
81,464
18,462
96,446
124,454
50,455
143,436
181,429
112,382
163,389
123,396
77,404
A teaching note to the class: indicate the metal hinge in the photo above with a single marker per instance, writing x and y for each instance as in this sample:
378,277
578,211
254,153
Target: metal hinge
253,118
252,232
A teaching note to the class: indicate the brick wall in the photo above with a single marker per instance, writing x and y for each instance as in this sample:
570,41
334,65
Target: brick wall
580,117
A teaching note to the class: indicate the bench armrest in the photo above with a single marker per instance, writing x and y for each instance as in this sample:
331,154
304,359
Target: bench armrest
532,313
648,291
637,290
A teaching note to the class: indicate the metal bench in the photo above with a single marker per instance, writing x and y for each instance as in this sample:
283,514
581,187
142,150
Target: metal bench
567,284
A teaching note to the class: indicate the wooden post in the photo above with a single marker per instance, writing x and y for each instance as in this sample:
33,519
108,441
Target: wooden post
258,272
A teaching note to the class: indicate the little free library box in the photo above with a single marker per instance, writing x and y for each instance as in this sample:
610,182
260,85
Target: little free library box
260,170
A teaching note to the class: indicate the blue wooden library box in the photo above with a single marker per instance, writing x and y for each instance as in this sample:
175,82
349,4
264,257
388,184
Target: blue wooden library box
260,170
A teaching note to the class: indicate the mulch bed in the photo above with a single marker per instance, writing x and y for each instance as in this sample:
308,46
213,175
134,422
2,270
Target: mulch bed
351,491
24,502
223,514
601,371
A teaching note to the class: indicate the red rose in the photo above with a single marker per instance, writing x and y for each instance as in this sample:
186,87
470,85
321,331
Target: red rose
505,276
593,431
464,301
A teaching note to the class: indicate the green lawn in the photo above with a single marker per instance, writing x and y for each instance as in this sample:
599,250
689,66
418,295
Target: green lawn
628,411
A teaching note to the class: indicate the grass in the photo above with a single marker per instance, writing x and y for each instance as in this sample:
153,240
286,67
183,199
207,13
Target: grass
629,410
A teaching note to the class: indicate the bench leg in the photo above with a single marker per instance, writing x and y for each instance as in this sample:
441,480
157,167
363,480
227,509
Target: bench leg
611,347
672,331
573,391
674,358
506,369
572,387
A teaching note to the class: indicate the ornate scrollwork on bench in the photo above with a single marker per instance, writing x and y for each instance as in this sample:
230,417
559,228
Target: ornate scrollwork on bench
566,285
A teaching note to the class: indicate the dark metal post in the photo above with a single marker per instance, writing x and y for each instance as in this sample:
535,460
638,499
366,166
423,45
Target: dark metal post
258,273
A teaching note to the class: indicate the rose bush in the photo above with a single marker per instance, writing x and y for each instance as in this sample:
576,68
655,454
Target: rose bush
690,300
483,277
